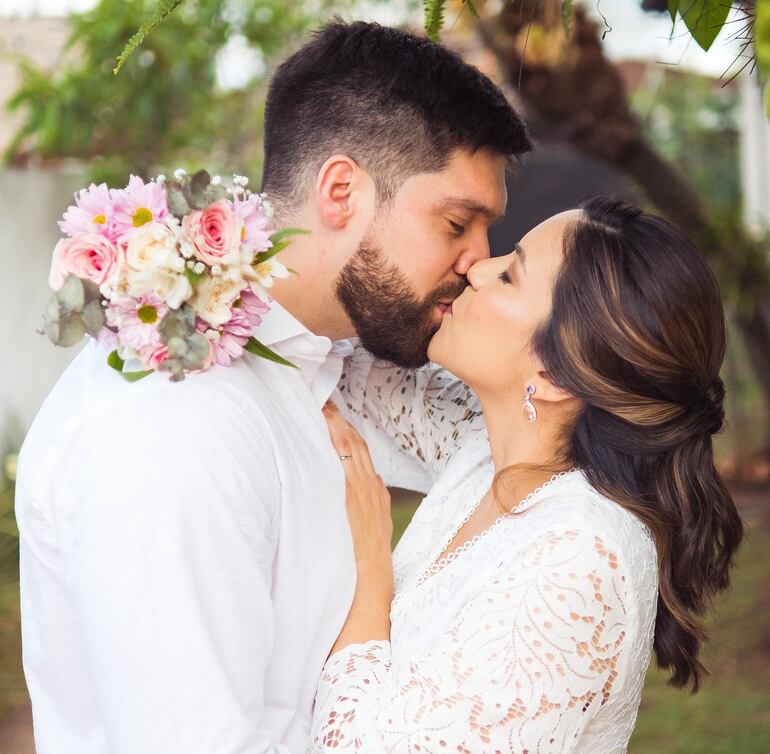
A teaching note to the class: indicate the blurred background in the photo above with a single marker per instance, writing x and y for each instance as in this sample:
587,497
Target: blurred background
623,103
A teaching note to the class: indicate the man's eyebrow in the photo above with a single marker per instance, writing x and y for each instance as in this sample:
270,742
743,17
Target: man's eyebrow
470,206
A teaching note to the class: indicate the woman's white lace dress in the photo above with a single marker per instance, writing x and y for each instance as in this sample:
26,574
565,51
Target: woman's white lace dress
535,637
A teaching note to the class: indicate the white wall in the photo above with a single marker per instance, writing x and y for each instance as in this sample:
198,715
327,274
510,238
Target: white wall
755,155
31,201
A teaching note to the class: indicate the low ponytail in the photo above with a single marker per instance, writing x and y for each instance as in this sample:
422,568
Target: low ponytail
637,333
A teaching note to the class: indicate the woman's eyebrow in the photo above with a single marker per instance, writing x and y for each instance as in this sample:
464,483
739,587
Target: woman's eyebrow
522,255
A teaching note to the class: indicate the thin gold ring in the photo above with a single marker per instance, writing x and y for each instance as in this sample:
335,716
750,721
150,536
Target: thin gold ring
346,458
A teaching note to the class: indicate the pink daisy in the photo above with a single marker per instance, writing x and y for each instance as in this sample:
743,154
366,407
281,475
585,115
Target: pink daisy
227,341
253,307
138,204
137,320
255,235
91,213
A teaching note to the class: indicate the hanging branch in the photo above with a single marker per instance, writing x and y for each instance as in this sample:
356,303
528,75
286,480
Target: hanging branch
165,8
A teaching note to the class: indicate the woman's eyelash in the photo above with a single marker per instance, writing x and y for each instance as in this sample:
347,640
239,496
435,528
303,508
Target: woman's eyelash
457,229
505,277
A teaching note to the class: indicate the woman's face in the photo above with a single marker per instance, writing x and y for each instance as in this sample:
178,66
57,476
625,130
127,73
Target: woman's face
485,337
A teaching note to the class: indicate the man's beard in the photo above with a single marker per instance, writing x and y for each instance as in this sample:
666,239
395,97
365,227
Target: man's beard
390,319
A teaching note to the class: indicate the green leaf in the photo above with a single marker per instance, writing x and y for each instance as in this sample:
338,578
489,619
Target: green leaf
433,17
673,7
280,239
284,233
192,276
471,7
261,350
567,7
762,44
117,363
704,19
164,9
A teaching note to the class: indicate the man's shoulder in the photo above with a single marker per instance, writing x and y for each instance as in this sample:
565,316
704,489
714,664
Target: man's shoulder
91,398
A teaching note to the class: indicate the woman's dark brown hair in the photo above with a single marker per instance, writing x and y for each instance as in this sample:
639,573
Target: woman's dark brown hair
637,333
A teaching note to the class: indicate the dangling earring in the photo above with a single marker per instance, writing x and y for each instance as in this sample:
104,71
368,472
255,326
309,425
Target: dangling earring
530,412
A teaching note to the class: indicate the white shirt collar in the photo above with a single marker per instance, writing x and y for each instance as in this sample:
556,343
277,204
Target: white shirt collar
319,358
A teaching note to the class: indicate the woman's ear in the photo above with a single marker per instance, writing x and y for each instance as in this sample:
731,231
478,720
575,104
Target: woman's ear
338,179
545,390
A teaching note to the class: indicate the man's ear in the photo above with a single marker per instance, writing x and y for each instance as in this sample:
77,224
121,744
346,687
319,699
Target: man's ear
338,179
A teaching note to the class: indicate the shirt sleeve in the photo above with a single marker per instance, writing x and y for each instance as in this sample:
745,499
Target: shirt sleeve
523,667
414,420
169,515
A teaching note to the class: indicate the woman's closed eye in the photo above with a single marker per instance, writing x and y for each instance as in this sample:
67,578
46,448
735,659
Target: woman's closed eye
505,277
457,229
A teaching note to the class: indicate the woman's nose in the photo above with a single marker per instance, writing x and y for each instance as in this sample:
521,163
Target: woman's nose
480,273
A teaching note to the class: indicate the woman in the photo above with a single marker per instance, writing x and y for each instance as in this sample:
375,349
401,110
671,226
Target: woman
576,519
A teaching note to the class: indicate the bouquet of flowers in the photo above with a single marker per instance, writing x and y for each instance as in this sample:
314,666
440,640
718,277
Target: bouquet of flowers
169,275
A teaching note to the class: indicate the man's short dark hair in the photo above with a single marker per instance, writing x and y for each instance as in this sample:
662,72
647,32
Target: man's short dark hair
396,103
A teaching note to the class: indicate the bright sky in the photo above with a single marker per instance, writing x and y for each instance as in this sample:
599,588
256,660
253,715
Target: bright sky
635,34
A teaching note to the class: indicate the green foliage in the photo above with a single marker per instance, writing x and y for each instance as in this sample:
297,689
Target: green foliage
567,6
762,43
434,17
166,109
261,350
704,19
164,9
114,361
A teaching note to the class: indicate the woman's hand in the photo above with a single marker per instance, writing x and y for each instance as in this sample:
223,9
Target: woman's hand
366,496
368,506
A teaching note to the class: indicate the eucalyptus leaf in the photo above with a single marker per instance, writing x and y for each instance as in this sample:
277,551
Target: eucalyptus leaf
176,200
214,193
93,318
71,296
68,330
199,184
177,323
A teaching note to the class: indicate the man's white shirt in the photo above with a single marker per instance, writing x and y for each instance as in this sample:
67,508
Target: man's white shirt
186,561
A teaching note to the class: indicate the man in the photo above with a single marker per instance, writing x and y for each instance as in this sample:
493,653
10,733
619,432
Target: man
186,559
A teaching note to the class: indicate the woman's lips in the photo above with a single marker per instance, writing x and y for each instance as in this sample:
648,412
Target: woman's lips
445,307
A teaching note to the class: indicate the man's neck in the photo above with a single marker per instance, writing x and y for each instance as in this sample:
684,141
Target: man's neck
309,296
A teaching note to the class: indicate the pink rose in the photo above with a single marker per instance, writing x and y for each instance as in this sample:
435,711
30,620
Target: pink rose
154,356
215,233
88,256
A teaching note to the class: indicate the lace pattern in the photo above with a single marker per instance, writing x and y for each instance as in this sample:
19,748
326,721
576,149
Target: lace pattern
529,660
537,639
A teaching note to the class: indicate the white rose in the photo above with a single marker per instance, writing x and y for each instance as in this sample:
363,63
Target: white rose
167,285
152,245
214,298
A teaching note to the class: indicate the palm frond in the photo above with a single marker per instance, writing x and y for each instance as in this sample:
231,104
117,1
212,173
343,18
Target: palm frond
165,8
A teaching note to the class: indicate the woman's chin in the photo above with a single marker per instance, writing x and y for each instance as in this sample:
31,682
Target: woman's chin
434,350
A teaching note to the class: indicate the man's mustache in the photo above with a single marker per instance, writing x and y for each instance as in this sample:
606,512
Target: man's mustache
449,290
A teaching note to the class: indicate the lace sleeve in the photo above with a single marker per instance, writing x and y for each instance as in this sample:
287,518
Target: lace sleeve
523,667
421,414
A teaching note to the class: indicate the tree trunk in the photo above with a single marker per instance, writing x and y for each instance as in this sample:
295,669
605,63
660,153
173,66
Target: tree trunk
580,94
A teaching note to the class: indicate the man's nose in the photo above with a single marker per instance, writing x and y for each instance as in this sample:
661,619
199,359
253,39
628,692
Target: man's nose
479,273
476,252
